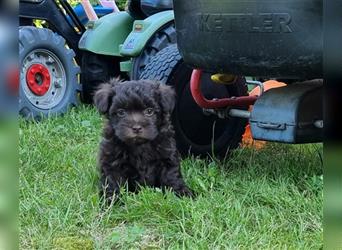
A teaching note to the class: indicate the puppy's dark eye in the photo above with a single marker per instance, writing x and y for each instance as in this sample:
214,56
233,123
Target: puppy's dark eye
149,112
121,112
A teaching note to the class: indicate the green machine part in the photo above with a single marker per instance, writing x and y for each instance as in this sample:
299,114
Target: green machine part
105,35
117,34
142,31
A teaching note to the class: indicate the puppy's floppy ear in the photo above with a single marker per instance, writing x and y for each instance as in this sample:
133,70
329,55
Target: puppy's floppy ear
103,97
167,97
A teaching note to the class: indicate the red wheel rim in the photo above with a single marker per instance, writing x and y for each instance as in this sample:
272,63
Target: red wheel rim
38,79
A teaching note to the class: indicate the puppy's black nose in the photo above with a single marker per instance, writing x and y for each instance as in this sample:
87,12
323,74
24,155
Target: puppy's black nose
137,129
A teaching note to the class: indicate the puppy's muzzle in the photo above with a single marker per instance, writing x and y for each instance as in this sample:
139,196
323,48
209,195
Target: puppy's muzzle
137,129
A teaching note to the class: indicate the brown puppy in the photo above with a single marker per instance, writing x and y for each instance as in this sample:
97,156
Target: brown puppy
138,146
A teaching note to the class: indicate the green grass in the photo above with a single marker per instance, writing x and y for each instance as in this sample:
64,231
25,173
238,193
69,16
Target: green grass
267,199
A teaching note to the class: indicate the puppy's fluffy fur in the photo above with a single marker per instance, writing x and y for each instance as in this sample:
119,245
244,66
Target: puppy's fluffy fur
138,146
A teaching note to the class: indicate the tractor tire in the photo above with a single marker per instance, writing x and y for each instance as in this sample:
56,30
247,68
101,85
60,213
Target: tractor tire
194,130
96,69
164,37
49,82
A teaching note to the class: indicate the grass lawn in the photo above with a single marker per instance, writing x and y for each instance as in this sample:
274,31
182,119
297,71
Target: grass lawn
266,199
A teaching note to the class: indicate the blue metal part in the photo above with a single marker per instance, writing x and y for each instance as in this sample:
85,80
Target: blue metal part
289,114
99,10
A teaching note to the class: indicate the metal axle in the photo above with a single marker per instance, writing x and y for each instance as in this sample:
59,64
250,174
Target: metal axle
225,113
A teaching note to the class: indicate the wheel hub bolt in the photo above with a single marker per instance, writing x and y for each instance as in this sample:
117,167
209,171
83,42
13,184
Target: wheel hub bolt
49,61
58,84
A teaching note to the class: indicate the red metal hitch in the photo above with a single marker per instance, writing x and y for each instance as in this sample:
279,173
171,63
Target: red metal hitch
195,87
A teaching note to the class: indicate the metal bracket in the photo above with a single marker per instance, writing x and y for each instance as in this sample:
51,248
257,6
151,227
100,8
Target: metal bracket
257,83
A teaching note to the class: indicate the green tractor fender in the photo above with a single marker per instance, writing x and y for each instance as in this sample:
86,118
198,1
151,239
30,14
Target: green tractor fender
105,35
113,35
142,31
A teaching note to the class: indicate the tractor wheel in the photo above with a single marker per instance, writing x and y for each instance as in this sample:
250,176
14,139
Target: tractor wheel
49,82
161,39
197,133
96,69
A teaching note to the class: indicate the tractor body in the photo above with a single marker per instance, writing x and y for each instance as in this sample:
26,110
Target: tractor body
118,43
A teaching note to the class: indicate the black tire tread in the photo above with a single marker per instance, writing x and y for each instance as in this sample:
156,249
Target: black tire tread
164,37
161,66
